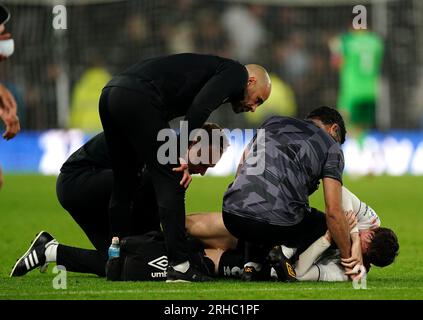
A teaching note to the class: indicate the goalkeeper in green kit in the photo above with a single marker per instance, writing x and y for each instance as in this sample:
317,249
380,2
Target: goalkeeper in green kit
358,56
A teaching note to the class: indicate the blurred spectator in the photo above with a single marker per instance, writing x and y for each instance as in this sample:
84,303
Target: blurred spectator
281,102
290,39
294,59
293,63
210,38
8,106
133,44
358,55
85,95
181,38
245,30
178,27
418,102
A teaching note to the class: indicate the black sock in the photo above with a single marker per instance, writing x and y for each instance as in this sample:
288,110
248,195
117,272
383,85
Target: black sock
231,264
82,260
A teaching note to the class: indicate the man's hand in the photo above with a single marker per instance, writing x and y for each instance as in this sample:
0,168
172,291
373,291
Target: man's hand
11,121
352,263
186,179
373,224
356,255
355,273
351,219
8,113
327,236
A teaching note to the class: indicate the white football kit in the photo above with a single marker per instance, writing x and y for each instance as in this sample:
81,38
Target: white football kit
318,262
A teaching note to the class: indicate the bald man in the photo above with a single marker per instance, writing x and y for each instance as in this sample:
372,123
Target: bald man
138,103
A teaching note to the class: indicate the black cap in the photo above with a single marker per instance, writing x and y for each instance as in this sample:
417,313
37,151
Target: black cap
4,14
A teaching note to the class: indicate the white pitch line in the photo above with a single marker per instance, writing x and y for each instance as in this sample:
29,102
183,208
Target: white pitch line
100,292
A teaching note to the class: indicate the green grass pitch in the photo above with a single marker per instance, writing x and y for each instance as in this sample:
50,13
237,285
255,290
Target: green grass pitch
28,204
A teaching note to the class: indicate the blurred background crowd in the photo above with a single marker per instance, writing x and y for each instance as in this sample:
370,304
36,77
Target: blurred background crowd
56,75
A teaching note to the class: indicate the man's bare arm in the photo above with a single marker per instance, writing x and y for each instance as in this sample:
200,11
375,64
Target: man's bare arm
356,255
335,218
8,113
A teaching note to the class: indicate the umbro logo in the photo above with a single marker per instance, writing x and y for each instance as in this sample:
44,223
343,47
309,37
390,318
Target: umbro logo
159,263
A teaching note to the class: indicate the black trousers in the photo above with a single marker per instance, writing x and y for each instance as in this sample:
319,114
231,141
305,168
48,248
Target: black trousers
260,237
131,124
85,193
131,121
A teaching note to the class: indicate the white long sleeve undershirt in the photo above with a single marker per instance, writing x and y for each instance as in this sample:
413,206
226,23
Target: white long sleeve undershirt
307,269
310,266
364,213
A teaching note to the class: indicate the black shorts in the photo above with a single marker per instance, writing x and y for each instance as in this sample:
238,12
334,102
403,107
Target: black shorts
299,236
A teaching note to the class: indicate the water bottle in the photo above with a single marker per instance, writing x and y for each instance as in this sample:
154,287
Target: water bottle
114,249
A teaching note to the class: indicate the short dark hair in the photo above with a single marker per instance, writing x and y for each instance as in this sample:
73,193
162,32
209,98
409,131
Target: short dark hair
223,141
383,249
329,116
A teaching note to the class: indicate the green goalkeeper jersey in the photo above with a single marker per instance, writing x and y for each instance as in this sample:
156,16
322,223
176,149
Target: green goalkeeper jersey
361,55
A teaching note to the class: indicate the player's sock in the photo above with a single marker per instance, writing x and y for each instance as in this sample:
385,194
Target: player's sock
255,265
231,264
51,251
82,260
182,267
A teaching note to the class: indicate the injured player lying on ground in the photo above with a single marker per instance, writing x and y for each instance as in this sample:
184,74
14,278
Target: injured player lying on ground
319,262
222,256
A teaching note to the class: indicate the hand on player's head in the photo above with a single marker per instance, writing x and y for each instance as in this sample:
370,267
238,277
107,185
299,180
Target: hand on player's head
351,219
204,153
199,163
211,142
366,237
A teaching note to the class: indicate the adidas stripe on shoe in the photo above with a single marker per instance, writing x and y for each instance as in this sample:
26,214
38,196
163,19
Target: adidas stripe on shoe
34,257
